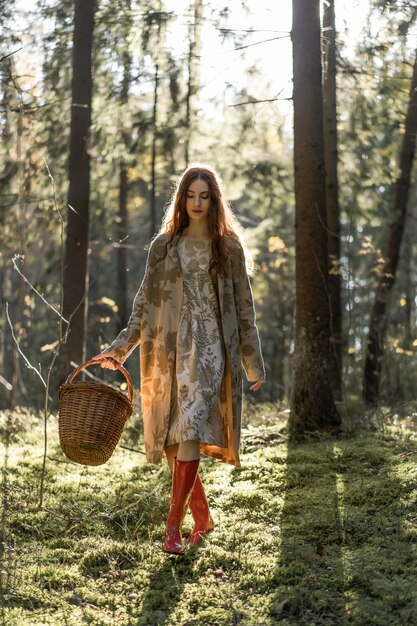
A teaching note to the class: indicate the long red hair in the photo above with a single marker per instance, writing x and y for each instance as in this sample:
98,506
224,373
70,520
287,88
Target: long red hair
222,222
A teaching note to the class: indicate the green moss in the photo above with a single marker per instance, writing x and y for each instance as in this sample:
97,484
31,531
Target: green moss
322,533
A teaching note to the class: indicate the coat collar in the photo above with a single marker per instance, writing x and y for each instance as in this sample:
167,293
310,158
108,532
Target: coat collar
173,251
174,257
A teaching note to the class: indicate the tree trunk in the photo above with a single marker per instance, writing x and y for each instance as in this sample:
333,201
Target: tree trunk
378,321
409,292
193,52
76,251
332,193
152,203
122,221
121,251
312,406
9,168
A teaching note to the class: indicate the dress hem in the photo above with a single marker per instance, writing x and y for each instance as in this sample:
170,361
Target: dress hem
202,441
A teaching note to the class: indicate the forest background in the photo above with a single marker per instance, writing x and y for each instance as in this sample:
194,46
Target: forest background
315,532
175,83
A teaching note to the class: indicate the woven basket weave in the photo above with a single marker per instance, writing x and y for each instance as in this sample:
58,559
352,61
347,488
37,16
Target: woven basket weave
92,417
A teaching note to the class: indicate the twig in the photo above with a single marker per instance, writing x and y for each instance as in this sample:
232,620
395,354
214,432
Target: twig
252,30
260,101
61,339
27,109
11,54
30,366
16,256
6,383
257,43
239,104
132,449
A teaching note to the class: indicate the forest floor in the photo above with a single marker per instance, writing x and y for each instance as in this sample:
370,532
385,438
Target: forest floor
322,533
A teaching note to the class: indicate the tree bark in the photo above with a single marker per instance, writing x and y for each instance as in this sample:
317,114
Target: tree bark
197,9
378,322
312,406
332,194
76,250
152,203
8,172
123,221
409,294
121,251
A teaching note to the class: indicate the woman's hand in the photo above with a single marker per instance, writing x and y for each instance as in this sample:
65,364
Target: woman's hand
107,362
257,385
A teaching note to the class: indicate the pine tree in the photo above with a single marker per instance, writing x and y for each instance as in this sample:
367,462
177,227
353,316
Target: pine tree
378,321
76,253
332,194
312,406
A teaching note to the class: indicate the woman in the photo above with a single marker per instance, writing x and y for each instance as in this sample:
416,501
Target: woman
194,319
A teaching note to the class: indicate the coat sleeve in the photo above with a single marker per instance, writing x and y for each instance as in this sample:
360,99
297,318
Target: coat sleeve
250,346
128,338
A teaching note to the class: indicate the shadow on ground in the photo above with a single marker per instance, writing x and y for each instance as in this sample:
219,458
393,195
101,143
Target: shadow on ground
164,591
348,534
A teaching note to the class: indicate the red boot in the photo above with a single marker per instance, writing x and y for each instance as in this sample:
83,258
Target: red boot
183,478
201,513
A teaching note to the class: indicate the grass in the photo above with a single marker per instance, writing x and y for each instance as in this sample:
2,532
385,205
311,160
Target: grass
323,534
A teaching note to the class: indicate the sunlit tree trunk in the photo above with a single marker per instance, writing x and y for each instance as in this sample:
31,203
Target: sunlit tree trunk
378,321
76,266
152,202
122,214
8,171
193,63
121,250
312,406
15,185
409,292
332,193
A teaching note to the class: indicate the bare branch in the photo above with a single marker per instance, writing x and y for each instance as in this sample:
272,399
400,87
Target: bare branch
30,366
240,104
252,30
257,43
5,383
35,290
132,449
10,54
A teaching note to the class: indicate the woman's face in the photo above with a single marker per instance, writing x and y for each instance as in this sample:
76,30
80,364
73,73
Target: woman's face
197,200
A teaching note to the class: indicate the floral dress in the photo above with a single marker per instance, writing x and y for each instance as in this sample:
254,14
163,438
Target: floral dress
200,357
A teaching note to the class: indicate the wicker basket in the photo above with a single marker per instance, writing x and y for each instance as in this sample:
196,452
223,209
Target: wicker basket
92,417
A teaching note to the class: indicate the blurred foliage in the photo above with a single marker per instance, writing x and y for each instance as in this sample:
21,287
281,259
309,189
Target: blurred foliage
250,145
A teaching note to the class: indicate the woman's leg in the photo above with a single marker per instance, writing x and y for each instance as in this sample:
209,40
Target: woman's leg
184,472
199,507
189,451
185,451
203,522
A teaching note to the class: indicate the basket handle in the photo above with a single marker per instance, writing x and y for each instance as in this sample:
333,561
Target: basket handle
118,365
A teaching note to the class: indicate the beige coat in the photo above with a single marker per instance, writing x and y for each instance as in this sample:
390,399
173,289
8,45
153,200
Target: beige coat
154,322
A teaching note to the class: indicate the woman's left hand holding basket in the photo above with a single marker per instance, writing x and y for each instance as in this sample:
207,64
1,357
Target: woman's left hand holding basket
107,362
